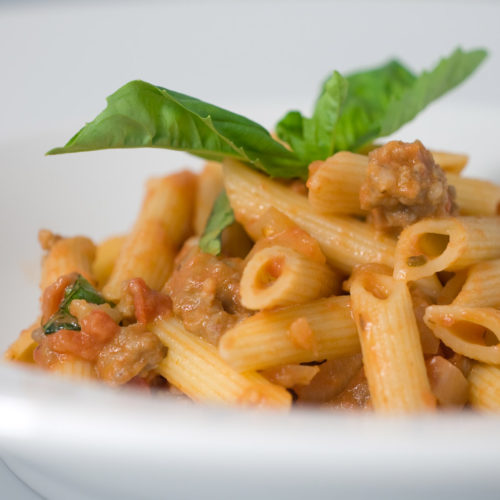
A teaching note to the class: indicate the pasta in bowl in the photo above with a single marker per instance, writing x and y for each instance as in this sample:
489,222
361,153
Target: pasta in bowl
290,271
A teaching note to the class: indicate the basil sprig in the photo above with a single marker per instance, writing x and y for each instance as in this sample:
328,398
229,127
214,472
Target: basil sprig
377,103
349,114
62,319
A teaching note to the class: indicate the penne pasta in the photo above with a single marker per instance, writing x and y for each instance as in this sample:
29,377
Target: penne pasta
65,256
76,368
295,334
390,342
484,393
22,348
452,163
279,276
164,222
335,183
445,243
106,254
481,286
194,366
346,242
471,331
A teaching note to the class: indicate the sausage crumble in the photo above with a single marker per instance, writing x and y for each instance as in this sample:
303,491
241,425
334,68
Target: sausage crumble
403,185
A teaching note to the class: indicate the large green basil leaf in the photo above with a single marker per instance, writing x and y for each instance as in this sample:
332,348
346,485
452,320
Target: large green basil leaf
143,115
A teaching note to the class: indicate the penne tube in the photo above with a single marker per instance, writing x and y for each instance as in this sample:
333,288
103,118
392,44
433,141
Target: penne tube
481,287
471,331
334,186
164,222
475,196
484,392
209,186
195,367
346,242
295,334
68,255
452,163
335,183
147,253
279,276
445,243
22,348
106,254
76,368
390,341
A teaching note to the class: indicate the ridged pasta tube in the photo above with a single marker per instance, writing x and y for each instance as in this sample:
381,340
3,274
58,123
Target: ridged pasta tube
295,334
75,368
68,255
484,392
195,367
390,341
445,243
482,286
471,331
279,276
164,221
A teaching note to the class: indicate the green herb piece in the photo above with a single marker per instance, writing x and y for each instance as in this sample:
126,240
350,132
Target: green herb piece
81,289
449,73
379,101
61,321
370,93
314,138
143,115
416,260
222,216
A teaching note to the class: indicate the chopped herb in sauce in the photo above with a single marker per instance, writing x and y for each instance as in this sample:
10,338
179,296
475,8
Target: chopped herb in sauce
416,260
81,289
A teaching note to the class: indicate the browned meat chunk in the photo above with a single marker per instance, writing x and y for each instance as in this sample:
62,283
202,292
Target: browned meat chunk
205,291
403,185
132,351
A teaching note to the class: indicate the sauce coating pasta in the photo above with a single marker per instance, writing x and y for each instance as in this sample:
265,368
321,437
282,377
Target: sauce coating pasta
273,320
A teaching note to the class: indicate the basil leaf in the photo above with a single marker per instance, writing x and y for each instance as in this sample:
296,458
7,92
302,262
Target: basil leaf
370,93
382,100
222,216
143,115
449,73
379,101
60,321
314,138
80,289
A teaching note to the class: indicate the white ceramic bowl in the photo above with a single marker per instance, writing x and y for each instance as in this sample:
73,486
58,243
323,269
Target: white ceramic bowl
72,441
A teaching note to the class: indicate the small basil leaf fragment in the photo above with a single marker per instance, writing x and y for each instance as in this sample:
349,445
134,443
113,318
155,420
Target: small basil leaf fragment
140,114
60,321
222,216
80,289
